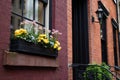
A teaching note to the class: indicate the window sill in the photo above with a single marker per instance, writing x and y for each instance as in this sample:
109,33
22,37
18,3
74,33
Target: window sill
16,59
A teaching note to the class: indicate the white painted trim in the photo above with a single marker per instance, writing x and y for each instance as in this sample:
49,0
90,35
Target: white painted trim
47,16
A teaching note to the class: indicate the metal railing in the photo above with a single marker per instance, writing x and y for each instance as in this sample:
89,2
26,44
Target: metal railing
80,72
115,71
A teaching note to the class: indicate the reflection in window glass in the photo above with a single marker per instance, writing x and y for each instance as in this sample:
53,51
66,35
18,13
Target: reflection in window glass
28,10
15,22
39,12
12,22
20,4
13,1
16,7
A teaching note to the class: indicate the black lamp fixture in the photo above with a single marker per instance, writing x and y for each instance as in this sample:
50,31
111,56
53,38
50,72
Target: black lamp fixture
99,13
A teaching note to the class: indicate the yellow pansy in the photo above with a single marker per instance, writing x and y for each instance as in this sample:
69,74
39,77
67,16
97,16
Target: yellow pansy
42,35
59,48
19,32
39,40
46,41
57,42
55,46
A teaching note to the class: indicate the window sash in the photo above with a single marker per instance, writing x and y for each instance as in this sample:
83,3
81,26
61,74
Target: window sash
45,1
27,18
34,12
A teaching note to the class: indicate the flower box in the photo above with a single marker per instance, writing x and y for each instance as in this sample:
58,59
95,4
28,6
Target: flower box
22,46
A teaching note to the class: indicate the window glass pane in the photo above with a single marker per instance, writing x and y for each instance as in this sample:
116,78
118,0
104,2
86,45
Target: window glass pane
15,22
28,9
13,2
39,11
16,7
20,4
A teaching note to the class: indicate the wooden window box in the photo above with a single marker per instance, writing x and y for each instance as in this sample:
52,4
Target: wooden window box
23,53
22,46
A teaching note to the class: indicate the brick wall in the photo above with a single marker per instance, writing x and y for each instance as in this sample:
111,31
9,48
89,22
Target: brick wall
34,73
95,44
69,37
94,32
112,9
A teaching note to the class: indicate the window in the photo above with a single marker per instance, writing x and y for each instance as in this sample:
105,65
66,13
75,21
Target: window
103,32
17,15
104,40
115,41
37,10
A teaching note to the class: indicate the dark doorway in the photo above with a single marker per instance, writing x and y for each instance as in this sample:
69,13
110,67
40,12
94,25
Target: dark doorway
80,34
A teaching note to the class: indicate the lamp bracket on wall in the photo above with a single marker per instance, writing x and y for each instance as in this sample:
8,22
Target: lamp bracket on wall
93,20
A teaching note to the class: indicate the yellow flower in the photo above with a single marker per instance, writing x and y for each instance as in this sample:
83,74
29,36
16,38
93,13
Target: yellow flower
24,31
57,42
20,31
42,35
55,46
17,32
59,48
46,41
39,40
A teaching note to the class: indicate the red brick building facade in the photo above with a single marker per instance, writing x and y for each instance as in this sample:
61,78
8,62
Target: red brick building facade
26,67
94,36
15,66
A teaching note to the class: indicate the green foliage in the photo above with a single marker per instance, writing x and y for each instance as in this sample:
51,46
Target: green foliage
99,72
30,31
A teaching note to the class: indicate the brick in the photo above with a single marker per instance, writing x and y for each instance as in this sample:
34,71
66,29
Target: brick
94,33
59,21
